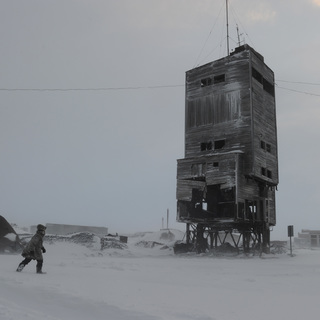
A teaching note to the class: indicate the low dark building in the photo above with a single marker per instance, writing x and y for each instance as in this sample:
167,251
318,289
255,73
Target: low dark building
65,229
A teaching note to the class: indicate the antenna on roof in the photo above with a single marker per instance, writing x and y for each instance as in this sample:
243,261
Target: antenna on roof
227,15
239,42
243,40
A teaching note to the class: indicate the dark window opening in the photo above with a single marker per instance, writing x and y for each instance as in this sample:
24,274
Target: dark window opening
206,82
216,164
219,78
267,86
197,196
206,146
257,75
265,146
250,209
268,147
269,174
219,144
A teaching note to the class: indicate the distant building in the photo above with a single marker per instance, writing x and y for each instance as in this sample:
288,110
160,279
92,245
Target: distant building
64,229
308,238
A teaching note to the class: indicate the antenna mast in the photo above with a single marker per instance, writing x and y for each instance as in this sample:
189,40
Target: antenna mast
239,42
227,15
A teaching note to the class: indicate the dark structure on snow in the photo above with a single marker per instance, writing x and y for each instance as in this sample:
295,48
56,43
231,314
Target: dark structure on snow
226,182
9,240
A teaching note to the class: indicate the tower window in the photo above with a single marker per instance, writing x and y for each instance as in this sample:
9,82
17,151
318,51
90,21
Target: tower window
219,144
216,164
206,146
268,147
265,146
206,82
267,86
269,174
257,75
219,78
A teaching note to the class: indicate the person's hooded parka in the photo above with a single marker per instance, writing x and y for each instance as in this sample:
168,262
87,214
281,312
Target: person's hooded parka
34,248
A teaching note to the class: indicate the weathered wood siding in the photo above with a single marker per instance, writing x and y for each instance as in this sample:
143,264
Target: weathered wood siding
184,188
249,190
218,111
217,169
264,123
230,138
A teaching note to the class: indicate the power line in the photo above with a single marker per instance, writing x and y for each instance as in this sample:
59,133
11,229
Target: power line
299,82
92,89
143,87
298,91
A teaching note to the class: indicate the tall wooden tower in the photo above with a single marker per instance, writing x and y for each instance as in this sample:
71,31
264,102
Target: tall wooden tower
227,179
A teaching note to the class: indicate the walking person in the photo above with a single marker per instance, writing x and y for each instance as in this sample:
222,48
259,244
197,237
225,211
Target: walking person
34,250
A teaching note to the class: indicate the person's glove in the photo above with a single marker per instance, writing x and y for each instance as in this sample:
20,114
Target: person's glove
44,250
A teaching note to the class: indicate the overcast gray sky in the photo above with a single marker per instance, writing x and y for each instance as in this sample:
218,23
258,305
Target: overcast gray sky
108,157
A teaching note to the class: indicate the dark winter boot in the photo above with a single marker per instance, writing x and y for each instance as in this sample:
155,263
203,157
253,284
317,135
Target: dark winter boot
39,270
39,266
20,267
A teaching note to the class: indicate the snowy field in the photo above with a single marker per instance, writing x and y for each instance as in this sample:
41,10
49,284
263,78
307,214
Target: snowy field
152,283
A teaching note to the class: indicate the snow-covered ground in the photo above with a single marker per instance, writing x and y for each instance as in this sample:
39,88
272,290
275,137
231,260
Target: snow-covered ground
152,283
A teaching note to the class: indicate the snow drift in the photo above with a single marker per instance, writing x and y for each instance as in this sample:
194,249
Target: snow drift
148,282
